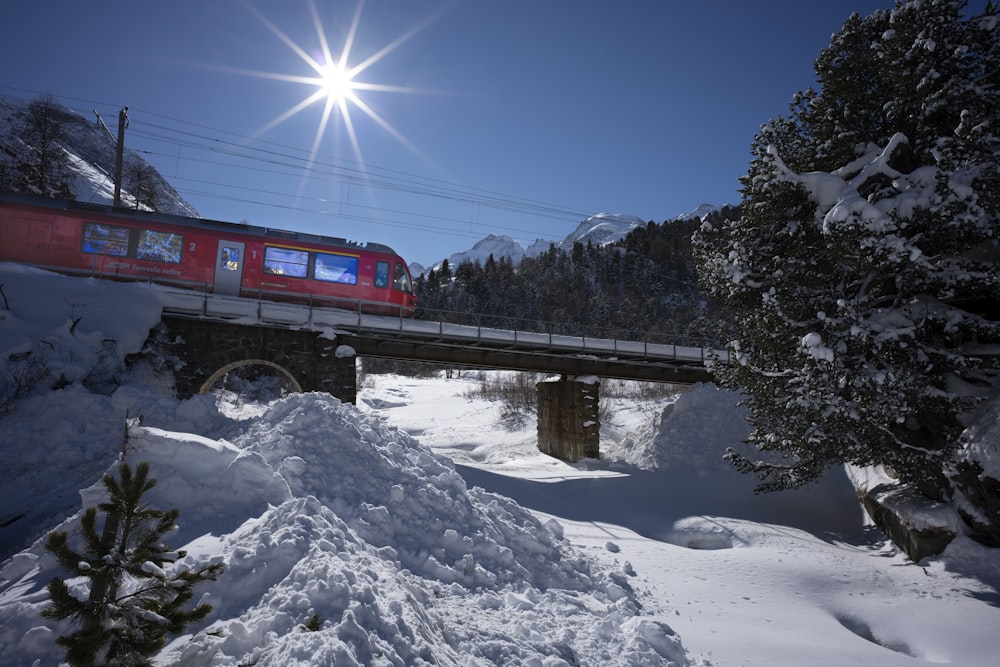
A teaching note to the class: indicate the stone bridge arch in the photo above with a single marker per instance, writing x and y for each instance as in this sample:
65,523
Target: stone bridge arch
230,367
207,349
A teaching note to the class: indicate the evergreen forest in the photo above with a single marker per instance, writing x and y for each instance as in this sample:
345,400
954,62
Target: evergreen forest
642,287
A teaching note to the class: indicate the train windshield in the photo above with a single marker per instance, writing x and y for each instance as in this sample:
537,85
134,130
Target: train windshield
401,279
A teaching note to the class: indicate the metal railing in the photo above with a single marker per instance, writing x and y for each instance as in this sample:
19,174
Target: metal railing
319,313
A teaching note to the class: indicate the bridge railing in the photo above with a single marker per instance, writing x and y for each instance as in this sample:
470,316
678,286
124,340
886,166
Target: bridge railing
352,316
563,328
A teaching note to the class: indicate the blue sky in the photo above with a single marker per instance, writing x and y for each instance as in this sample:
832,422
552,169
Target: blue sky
511,117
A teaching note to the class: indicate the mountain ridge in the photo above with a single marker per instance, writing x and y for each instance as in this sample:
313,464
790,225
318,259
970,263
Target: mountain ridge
598,229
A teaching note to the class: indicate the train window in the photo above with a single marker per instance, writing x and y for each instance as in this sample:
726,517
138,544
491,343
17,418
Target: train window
401,280
230,259
381,274
286,262
101,239
336,268
159,246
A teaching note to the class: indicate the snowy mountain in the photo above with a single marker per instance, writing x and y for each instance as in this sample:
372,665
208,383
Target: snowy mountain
600,229
699,212
90,151
498,246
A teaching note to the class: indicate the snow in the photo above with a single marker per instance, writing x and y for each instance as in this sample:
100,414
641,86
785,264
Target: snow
813,345
981,440
496,245
420,528
841,208
602,229
700,212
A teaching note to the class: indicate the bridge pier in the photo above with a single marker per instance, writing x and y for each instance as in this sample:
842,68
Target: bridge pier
206,348
569,427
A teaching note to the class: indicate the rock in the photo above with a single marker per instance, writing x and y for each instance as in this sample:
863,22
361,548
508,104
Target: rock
919,526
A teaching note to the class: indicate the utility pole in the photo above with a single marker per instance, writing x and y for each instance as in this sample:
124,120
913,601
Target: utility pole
122,124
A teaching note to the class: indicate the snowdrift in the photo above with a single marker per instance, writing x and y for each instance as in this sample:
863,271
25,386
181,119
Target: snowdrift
319,510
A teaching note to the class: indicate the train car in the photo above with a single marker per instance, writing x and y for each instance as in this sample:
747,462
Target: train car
207,255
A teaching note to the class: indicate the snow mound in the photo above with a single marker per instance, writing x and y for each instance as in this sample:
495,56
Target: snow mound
85,322
981,440
690,435
347,542
396,493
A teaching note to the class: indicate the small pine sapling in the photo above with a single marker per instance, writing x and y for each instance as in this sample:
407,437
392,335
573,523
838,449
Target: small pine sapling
313,625
134,603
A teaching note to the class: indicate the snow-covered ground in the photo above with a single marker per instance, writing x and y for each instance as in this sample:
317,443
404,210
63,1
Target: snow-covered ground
419,528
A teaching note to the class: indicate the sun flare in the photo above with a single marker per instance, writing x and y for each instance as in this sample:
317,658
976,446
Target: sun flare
334,81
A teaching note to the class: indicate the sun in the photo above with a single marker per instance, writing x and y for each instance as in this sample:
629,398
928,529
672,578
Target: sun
336,83
333,81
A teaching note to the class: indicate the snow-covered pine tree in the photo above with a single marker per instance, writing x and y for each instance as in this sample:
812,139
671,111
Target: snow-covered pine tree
133,601
863,269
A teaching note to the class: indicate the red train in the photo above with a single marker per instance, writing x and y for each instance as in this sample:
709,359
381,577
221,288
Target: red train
221,257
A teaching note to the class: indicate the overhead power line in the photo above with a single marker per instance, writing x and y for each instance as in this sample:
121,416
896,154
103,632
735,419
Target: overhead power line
165,137
371,176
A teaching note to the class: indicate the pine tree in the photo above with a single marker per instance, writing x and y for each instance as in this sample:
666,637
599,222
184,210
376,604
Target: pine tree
141,181
862,268
41,164
133,602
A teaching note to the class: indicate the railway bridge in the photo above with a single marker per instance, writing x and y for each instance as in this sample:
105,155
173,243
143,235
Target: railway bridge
316,349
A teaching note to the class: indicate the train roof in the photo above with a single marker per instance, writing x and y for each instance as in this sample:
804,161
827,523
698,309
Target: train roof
201,223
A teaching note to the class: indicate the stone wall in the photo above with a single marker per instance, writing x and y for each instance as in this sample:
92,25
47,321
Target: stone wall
569,427
202,347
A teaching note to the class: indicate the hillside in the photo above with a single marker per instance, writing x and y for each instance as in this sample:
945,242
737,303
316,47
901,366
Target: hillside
83,152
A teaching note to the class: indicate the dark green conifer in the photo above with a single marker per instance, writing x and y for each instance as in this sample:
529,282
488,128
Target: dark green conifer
862,272
133,603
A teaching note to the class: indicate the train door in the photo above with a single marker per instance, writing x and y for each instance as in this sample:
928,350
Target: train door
229,268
